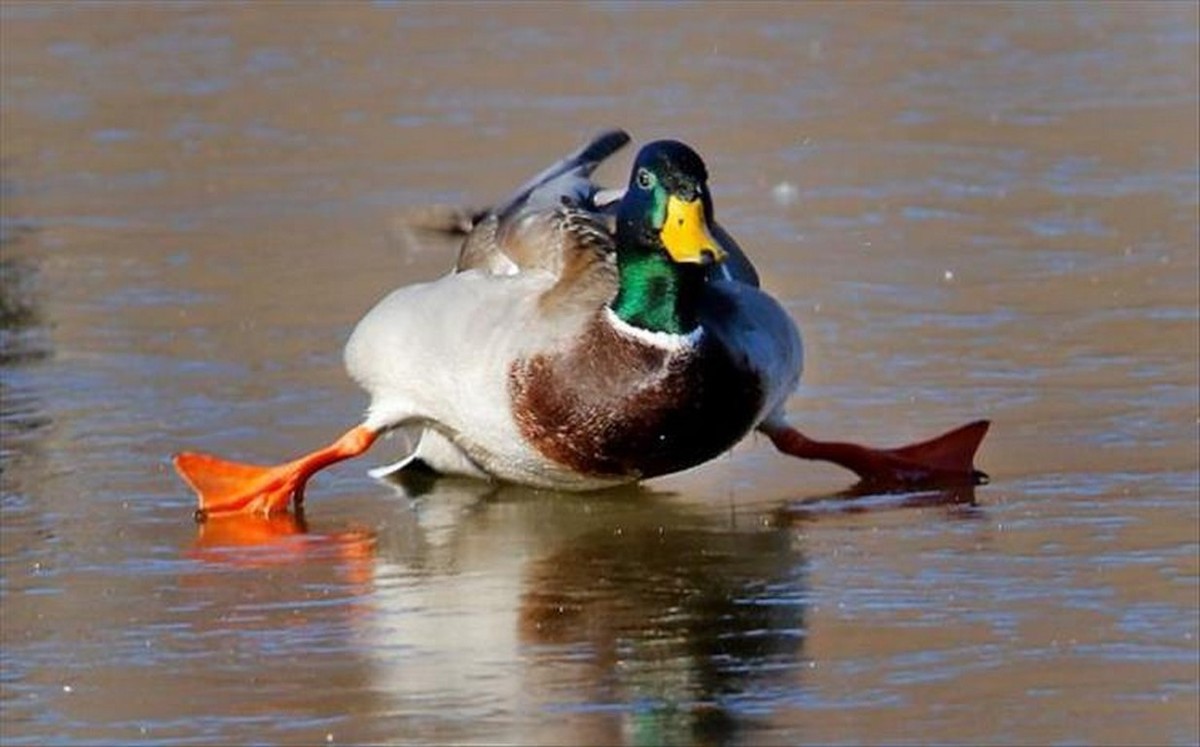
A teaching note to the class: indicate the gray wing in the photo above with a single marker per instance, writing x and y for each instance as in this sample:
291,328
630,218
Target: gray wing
759,334
524,231
569,178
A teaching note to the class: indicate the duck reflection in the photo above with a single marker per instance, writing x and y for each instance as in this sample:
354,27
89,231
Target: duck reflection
621,617
637,618
687,627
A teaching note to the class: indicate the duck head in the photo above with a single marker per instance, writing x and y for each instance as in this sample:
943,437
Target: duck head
664,241
667,206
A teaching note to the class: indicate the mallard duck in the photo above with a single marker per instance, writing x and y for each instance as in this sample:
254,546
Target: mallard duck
587,338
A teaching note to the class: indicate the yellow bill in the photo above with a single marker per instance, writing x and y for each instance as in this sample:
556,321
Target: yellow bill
685,233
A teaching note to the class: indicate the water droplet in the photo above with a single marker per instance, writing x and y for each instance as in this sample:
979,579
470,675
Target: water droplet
784,193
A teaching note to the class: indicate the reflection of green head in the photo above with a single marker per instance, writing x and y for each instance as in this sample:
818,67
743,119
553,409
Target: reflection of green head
663,238
695,622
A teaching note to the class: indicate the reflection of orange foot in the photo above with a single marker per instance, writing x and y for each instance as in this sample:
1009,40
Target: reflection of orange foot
281,539
864,499
248,531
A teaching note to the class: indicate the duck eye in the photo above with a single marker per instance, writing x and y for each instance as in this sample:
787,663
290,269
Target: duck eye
645,179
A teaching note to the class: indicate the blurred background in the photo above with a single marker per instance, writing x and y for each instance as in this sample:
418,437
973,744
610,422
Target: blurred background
971,210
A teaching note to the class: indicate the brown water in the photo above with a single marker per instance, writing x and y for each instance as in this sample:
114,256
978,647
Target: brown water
972,210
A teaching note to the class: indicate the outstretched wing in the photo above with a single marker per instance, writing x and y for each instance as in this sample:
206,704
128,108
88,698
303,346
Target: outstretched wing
547,219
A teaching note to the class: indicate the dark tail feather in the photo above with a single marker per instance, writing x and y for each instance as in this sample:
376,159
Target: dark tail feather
599,149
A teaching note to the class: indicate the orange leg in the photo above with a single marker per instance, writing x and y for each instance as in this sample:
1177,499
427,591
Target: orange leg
225,487
942,461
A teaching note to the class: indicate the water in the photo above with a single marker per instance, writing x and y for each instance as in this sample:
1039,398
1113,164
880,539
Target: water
972,211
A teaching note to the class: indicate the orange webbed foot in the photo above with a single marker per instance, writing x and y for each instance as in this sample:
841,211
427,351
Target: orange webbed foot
944,461
225,488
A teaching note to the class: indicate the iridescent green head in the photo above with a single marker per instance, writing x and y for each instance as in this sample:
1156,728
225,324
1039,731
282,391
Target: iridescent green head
667,206
663,239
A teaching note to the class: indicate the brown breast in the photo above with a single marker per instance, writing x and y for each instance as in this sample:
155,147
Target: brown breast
613,405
